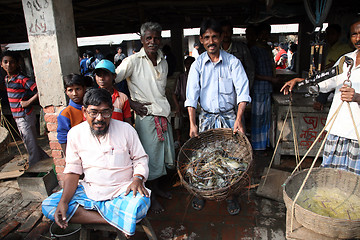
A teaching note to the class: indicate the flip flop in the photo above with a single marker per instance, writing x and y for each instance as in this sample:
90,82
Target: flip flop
233,207
198,203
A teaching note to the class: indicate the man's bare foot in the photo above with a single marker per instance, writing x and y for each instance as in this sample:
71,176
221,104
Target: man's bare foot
163,194
155,205
157,190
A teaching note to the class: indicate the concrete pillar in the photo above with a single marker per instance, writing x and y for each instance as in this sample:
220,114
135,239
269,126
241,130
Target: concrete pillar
177,39
51,32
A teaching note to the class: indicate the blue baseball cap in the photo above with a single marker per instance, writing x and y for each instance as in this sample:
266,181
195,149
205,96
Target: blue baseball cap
105,64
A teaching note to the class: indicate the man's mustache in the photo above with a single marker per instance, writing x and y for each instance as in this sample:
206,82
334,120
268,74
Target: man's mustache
99,122
211,45
357,43
153,45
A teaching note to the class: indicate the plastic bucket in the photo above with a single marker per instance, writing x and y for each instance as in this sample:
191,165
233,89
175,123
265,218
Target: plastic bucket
72,232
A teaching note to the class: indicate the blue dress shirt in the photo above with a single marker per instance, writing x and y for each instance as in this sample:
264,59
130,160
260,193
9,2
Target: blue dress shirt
221,86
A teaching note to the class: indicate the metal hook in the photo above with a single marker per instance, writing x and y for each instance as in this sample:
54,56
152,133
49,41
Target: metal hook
350,63
347,82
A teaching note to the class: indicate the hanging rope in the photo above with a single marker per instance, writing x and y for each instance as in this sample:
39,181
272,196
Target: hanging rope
296,146
353,120
317,138
296,149
311,167
277,144
7,125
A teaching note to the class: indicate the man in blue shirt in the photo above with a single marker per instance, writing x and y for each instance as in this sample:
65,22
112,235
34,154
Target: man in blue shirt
218,81
83,67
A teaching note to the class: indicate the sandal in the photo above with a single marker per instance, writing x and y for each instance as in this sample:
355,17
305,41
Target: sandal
233,207
198,203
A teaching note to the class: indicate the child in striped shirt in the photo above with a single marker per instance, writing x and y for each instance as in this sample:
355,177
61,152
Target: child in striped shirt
22,93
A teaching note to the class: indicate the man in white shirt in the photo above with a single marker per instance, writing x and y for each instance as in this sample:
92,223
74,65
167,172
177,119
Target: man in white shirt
146,76
109,154
342,144
195,52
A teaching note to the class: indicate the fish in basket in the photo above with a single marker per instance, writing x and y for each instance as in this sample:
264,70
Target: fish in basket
216,164
329,203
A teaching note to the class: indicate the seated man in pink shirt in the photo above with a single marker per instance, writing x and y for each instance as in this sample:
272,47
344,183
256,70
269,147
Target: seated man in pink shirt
115,165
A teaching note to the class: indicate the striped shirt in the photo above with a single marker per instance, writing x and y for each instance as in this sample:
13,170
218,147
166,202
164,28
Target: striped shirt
20,88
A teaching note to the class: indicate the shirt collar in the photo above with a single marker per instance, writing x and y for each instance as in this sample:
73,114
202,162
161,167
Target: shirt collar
207,58
142,53
9,79
115,95
75,105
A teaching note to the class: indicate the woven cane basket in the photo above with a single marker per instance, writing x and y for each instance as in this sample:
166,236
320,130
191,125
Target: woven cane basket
347,182
242,151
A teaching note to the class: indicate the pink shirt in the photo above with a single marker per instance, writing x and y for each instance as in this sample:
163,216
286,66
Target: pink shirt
110,163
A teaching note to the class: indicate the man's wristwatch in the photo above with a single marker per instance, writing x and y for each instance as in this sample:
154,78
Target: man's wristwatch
140,177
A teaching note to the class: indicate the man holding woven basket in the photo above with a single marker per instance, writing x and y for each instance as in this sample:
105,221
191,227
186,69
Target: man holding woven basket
218,81
343,123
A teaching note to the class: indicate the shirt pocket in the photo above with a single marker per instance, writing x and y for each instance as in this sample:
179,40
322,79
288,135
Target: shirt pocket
118,158
161,82
226,86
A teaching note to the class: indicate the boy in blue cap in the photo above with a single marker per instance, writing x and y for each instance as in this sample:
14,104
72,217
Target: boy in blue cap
105,76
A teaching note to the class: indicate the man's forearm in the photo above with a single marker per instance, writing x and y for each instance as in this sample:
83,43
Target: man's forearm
192,115
240,111
70,184
33,98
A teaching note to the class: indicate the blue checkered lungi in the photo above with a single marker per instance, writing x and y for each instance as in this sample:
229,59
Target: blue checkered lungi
122,212
216,120
341,153
260,120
